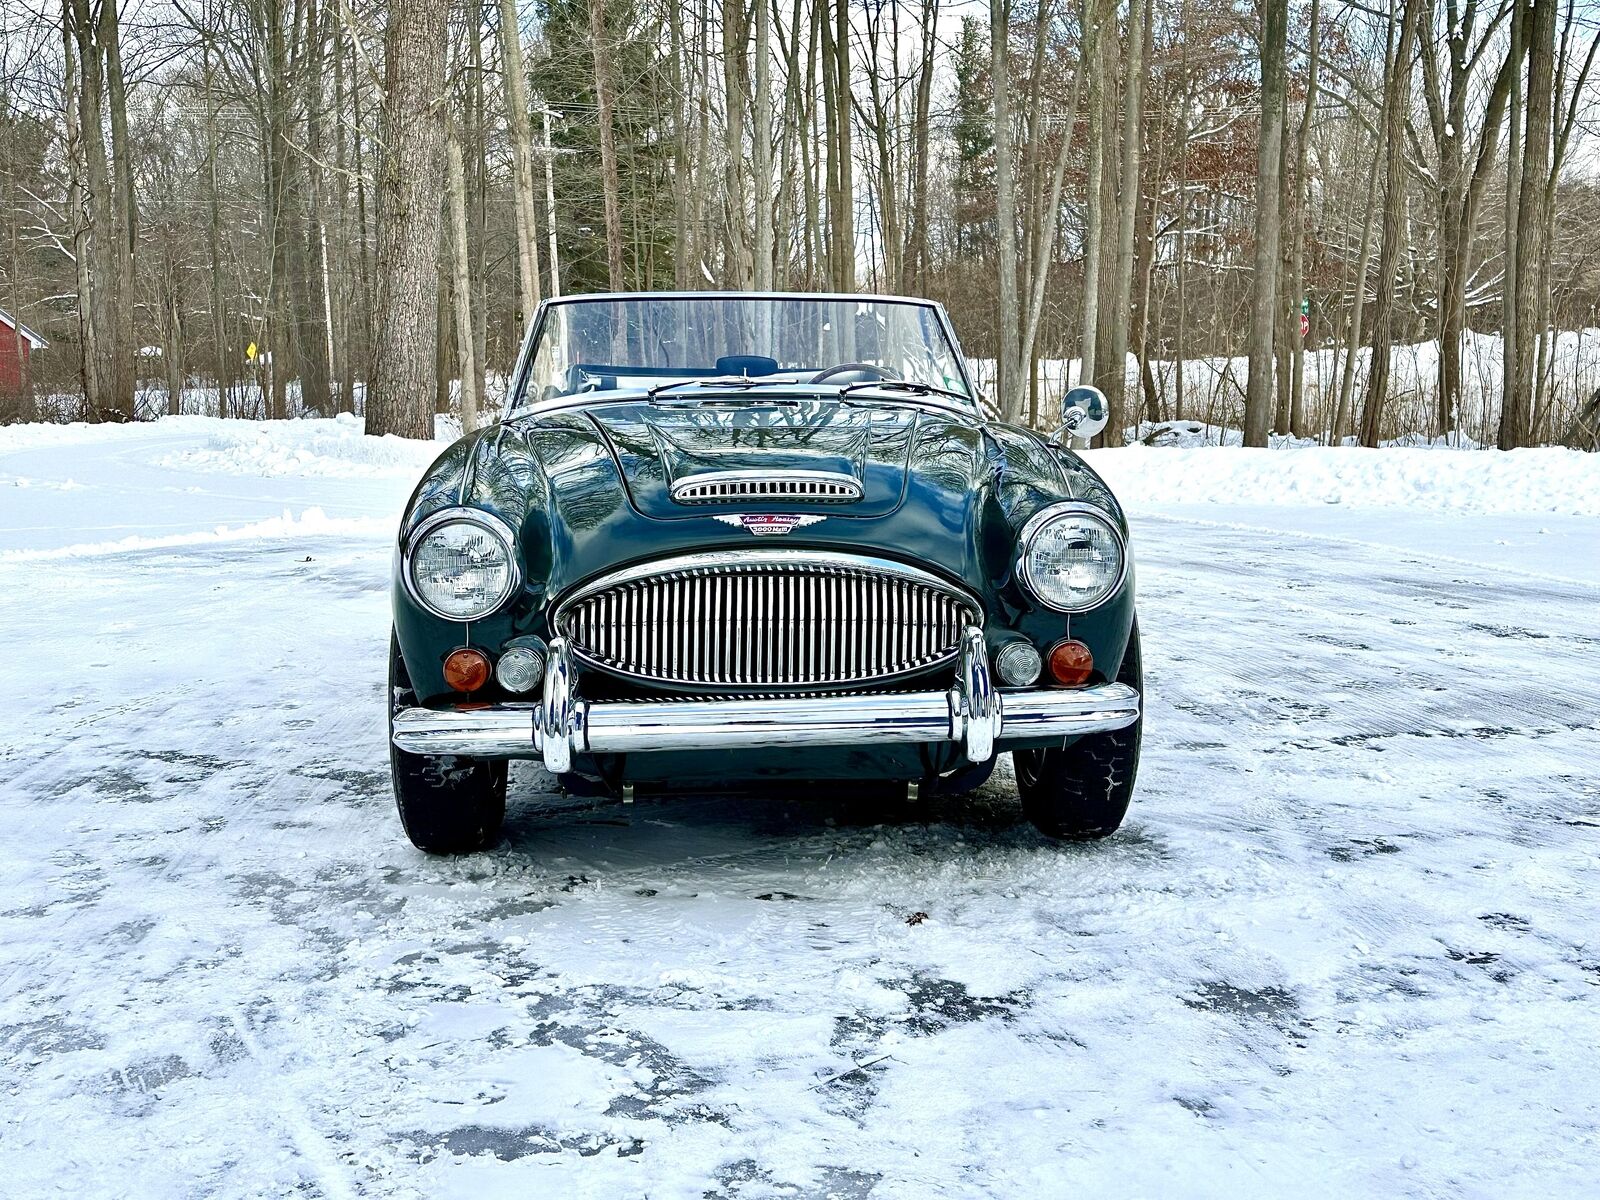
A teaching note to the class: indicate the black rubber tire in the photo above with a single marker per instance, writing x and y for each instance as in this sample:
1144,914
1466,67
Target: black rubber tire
449,804
1081,793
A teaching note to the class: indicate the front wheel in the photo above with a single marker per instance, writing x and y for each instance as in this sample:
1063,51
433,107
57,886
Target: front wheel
1081,793
449,804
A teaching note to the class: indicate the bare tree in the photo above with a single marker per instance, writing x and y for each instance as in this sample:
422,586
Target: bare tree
1263,312
1116,366
1516,412
408,188
1397,95
104,224
1008,384
761,156
520,132
461,289
610,182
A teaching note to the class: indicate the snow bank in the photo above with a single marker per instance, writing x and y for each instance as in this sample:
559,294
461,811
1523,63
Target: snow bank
313,522
1487,481
330,449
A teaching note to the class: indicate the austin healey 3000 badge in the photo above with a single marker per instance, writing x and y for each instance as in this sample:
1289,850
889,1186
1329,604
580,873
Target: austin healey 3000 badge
769,524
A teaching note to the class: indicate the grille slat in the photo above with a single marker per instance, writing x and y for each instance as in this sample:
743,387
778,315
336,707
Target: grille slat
818,487
787,622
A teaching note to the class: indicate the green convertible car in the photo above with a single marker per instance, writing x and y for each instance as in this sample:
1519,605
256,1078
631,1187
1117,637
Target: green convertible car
725,540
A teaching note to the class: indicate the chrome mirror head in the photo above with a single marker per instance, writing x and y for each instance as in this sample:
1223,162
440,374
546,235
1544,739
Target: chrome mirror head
1084,412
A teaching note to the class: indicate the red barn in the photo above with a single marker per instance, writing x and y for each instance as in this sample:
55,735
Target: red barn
17,342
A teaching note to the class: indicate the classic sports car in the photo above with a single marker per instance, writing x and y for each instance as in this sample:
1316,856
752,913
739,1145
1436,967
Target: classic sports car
732,539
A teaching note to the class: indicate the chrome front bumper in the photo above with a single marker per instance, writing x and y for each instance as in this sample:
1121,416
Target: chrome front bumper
972,712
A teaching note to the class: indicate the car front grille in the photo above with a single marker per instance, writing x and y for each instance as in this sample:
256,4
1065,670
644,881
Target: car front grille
818,487
767,620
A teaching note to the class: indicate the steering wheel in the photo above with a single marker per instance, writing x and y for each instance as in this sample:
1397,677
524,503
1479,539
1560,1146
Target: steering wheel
865,371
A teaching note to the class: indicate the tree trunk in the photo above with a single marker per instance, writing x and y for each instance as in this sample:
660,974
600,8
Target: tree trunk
369,289
103,306
1516,415
609,184
1460,183
340,298
1269,159
1127,213
1396,99
1107,368
519,129
682,164
917,248
461,288
124,212
1510,310
735,88
761,156
1358,300
221,360
841,241
1008,369
1093,250
307,253
408,186
1046,223
172,351
1299,198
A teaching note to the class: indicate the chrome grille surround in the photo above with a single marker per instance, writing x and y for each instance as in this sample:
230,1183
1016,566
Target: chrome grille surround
817,487
767,621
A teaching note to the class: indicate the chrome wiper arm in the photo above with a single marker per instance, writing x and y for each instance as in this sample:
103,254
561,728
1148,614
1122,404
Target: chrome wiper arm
727,381
903,385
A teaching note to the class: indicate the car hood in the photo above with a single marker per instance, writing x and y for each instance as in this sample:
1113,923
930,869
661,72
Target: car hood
658,445
588,489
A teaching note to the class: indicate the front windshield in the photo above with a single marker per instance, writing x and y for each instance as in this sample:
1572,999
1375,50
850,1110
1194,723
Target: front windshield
608,343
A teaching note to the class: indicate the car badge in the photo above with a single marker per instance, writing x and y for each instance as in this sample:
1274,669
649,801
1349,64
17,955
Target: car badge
769,524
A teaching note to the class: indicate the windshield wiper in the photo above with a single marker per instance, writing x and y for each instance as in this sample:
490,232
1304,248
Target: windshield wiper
726,381
902,385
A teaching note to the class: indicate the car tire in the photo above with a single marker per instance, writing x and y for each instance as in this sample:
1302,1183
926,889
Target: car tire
1081,793
449,804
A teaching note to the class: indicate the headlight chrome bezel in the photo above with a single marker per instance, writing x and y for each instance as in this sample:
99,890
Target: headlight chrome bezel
1053,512
486,521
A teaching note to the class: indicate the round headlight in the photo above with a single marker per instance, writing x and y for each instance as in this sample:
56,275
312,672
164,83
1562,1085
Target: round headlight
460,564
1072,558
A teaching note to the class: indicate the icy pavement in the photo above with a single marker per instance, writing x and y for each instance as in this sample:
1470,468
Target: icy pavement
1345,945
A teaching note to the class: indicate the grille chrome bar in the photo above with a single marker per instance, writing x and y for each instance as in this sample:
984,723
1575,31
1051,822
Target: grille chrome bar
816,487
767,620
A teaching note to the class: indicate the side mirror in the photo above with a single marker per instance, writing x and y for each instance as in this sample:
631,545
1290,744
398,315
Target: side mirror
1084,412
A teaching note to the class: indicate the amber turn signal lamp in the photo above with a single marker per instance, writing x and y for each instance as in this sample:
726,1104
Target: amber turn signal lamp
466,670
1071,663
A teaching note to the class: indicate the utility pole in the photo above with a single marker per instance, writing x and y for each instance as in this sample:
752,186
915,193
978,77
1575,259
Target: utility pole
550,201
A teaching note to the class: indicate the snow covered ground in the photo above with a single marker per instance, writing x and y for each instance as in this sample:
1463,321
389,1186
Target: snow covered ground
1344,945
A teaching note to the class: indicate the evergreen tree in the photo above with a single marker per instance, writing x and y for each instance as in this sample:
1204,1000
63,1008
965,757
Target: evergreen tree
564,79
974,143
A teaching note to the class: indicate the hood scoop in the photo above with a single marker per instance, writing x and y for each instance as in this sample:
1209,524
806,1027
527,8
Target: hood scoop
810,487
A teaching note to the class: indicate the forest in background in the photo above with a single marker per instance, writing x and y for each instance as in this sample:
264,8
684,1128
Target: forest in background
315,206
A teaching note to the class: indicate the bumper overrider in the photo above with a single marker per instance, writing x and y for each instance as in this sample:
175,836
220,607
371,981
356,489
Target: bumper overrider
972,712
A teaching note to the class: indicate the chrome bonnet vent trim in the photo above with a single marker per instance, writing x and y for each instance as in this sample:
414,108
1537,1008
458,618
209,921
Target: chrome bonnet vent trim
817,487
773,620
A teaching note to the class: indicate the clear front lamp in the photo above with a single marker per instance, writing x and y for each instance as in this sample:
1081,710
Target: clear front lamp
1072,559
461,568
